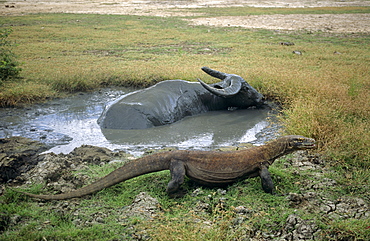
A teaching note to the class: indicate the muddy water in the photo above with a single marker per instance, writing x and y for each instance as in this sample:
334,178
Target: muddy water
64,124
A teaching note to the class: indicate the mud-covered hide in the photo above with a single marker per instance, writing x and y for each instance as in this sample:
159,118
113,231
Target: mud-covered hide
172,100
161,104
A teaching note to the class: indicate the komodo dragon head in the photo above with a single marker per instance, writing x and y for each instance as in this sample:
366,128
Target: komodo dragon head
296,142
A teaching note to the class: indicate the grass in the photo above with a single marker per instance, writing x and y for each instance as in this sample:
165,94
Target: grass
324,95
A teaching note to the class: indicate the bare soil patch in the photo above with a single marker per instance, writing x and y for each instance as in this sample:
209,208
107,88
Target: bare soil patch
337,23
164,8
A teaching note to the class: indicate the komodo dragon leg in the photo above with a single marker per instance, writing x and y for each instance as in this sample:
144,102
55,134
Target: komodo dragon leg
177,169
266,180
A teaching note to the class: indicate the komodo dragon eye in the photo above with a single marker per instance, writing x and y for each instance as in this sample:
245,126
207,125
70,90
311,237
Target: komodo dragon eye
296,142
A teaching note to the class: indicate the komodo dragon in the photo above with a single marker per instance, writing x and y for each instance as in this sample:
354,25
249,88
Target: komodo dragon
210,168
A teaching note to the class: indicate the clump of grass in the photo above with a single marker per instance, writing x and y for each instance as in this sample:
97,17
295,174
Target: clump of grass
9,68
324,95
346,230
335,116
80,82
20,93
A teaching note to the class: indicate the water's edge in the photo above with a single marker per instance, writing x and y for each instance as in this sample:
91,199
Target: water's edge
64,124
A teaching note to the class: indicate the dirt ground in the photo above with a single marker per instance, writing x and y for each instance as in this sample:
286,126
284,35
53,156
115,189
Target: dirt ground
345,23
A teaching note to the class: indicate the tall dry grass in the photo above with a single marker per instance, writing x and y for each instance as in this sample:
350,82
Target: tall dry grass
325,95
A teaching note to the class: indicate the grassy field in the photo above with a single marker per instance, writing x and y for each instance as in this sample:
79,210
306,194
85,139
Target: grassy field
325,92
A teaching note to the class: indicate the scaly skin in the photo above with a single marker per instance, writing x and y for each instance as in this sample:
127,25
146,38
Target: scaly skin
210,168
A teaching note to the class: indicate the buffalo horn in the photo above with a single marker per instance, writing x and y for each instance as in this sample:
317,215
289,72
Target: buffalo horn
231,90
215,73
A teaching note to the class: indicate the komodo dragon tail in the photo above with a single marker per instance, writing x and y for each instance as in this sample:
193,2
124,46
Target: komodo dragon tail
144,165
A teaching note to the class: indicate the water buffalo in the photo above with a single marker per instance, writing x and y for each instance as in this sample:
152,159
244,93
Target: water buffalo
172,100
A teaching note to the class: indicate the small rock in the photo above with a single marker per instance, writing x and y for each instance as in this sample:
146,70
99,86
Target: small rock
299,229
238,220
327,206
324,183
242,210
197,192
295,199
99,220
221,191
309,195
286,43
202,207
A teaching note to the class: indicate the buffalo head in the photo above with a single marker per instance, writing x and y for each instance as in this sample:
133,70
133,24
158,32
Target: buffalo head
233,87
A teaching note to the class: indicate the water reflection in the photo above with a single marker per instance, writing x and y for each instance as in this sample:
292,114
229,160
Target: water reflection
210,129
